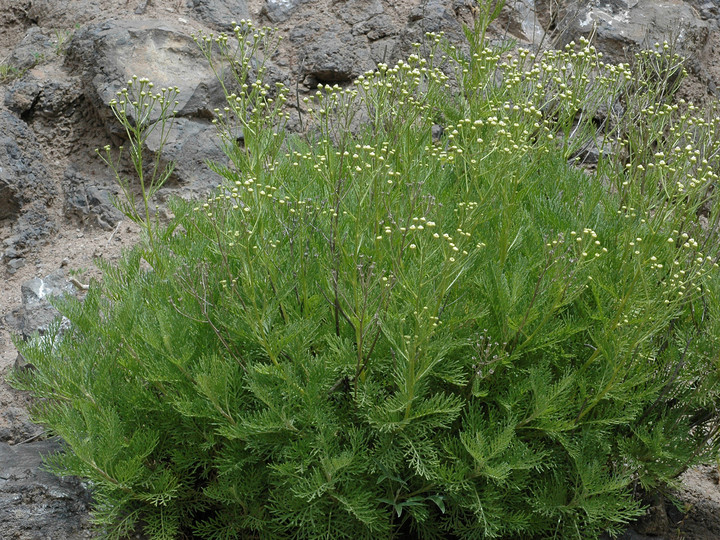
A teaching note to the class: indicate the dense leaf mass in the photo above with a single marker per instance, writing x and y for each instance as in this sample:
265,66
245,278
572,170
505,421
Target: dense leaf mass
368,332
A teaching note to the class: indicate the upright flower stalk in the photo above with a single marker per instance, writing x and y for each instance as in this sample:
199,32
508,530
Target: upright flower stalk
141,111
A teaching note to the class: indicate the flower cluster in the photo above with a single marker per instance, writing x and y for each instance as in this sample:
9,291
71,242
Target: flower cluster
140,105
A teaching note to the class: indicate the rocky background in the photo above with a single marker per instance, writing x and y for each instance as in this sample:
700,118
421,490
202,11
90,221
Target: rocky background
62,61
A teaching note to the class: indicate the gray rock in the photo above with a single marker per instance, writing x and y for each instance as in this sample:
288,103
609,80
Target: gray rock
432,16
49,99
190,143
35,504
26,190
622,27
38,290
54,14
36,312
219,13
384,50
438,16
34,226
15,264
632,534
376,27
328,54
277,11
710,12
655,522
16,426
89,199
59,98
141,7
274,74
589,154
10,201
33,49
21,364
22,96
519,19
111,53
357,11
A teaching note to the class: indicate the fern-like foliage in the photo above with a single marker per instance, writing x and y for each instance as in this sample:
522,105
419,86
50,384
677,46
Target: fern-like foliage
368,334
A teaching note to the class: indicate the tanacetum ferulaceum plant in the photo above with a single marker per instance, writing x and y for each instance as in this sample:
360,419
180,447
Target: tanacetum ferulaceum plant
368,333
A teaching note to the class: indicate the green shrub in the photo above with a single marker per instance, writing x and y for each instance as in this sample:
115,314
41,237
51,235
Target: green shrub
370,333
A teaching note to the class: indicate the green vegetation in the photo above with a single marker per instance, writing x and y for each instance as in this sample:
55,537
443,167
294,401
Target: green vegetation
8,72
369,333
62,39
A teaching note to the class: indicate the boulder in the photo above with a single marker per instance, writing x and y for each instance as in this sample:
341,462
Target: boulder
219,14
33,49
189,145
36,312
22,96
110,54
623,27
328,54
35,504
519,20
277,11
67,14
47,99
16,426
438,16
89,199
26,191
434,16
357,11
